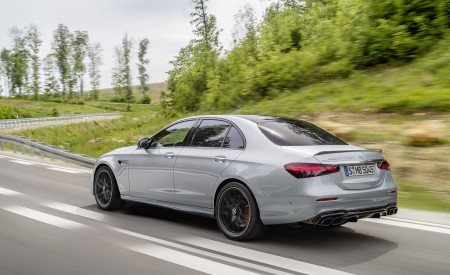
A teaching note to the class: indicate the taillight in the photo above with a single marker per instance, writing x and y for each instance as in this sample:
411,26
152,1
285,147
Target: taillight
384,165
308,170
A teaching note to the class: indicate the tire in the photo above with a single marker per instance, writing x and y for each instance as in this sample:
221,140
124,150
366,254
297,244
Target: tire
237,213
106,192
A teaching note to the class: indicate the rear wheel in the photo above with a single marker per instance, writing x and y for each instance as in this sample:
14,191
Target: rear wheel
237,214
106,192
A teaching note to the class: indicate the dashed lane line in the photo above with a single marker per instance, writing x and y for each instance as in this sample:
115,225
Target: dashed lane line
440,229
271,267
9,192
154,250
65,170
23,162
49,166
43,217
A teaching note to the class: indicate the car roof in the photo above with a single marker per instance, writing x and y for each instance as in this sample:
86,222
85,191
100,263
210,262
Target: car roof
253,118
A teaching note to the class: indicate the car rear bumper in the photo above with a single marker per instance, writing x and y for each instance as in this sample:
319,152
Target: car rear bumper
342,216
304,202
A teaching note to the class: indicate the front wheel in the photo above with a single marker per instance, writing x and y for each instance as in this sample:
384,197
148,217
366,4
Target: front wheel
106,192
237,214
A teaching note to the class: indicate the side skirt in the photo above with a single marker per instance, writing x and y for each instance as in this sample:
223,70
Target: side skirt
208,212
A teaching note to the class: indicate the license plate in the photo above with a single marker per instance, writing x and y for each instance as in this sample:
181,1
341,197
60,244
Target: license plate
358,170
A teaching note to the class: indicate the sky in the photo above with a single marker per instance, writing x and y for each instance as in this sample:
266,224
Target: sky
164,22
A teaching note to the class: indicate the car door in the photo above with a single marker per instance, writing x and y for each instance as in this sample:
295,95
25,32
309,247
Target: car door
215,144
151,169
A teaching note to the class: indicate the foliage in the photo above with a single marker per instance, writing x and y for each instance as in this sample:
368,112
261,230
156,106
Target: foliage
80,49
33,43
142,70
95,61
299,43
188,80
62,41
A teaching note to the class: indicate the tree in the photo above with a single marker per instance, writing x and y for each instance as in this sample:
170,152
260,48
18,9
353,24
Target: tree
117,77
19,57
127,44
188,80
62,41
51,86
80,48
7,68
34,42
95,61
142,70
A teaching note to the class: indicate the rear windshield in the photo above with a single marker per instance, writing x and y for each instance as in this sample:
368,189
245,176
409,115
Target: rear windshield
291,132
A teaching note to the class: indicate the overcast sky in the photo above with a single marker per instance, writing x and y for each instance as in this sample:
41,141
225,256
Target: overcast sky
165,23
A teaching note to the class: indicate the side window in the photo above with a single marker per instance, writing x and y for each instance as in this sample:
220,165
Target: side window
210,133
173,136
234,139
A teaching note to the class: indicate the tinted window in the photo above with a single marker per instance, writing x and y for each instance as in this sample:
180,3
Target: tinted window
290,132
210,133
234,139
173,136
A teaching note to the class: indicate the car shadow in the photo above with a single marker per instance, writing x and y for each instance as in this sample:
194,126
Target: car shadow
337,247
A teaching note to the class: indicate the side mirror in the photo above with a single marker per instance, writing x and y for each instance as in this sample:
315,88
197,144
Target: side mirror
143,143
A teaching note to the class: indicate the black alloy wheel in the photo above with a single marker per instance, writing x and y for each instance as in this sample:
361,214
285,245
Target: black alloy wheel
237,213
106,191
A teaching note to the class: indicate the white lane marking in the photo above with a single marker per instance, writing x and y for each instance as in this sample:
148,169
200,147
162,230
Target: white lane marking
410,225
9,192
43,217
187,260
261,257
199,251
156,251
199,262
102,217
76,211
417,222
22,162
45,164
65,170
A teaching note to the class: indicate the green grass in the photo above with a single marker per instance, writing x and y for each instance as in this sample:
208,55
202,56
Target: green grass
98,137
418,197
423,85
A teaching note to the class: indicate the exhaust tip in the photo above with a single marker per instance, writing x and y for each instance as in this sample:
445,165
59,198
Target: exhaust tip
326,222
392,211
337,221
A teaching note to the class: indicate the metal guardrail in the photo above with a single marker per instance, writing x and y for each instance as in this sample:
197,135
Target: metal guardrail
25,122
44,149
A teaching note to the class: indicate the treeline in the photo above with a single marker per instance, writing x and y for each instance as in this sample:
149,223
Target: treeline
297,43
60,75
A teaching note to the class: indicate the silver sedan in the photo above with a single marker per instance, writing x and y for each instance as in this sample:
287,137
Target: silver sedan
249,172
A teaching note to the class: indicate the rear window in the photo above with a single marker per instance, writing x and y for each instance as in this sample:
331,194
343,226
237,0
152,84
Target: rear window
291,132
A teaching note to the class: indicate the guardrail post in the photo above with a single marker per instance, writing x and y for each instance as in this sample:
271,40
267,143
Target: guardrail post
14,148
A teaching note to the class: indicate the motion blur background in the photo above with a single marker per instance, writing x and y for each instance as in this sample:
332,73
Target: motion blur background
375,73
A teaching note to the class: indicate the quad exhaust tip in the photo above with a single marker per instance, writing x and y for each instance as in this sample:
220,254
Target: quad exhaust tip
341,219
392,211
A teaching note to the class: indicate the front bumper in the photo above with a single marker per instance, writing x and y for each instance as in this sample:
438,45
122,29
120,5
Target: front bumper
341,216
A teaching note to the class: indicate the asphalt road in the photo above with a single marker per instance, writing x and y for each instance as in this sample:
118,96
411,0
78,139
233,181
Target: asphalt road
50,224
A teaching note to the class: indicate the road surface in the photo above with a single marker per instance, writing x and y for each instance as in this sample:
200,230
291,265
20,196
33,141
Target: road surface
50,224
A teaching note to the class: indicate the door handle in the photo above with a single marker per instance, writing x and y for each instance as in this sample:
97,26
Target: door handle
219,159
169,155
